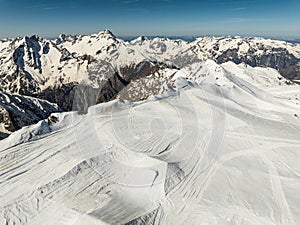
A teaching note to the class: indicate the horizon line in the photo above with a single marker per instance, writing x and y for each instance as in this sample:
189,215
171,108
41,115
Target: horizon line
190,36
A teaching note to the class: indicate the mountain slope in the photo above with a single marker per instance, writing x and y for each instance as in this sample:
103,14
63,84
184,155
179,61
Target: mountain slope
203,151
17,111
52,69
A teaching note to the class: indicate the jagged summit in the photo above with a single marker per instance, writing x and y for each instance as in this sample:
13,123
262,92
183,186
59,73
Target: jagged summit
102,32
107,32
139,39
34,37
142,38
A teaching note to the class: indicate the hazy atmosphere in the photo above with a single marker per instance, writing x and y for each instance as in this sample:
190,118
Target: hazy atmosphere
49,18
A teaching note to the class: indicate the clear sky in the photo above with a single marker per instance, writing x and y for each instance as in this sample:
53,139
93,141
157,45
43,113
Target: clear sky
49,18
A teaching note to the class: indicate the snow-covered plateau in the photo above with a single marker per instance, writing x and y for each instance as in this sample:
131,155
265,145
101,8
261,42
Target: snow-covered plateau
186,133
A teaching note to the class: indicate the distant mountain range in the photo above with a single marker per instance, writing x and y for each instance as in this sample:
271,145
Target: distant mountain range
193,38
108,67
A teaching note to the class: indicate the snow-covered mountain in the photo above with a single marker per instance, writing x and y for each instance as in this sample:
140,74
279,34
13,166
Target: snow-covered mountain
52,69
107,67
252,51
210,144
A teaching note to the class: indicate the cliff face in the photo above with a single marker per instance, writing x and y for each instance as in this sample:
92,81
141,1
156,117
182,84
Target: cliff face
17,111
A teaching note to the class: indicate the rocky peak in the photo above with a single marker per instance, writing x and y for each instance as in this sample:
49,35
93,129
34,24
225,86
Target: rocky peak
139,40
65,38
107,34
33,38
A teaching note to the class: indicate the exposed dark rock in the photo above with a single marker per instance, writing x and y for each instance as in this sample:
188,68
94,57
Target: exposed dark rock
52,119
142,88
46,48
88,58
19,82
65,55
110,87
278,59
292,72
119,81
17,111
6,120
18,56
140,70
62,95
3,135
33,50
109,33
77,97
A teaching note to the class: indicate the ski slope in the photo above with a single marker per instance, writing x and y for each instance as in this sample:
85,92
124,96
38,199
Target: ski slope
207,151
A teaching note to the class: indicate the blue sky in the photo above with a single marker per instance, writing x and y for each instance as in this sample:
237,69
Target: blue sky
49,18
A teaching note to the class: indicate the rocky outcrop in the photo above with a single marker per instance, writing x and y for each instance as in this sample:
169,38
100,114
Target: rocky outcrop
291,72
62,95
3,135
17,111
255,52
6,121
109,88
278,59
65,55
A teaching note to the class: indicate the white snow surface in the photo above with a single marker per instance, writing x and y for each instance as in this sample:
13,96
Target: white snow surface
210,152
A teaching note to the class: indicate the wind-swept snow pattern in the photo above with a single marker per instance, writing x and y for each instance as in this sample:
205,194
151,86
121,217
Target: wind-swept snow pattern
210,145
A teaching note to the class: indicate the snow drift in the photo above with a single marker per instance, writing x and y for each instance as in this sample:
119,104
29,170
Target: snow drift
214,144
